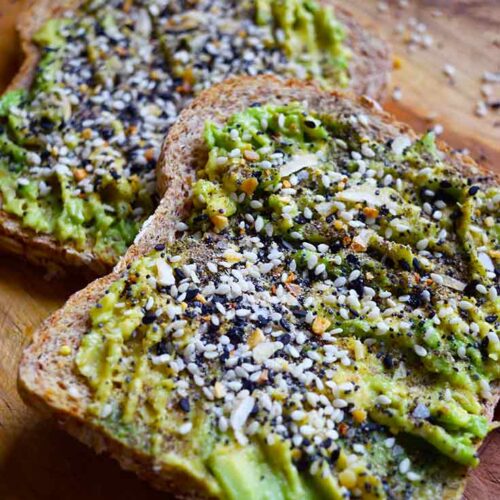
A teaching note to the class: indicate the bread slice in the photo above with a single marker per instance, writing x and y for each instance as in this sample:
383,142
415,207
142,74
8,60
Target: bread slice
369,68
49,381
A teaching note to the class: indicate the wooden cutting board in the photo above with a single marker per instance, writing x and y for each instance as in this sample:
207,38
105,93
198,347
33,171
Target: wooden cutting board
37,460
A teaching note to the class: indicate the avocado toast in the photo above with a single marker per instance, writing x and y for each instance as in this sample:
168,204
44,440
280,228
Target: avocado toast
82,124
312,312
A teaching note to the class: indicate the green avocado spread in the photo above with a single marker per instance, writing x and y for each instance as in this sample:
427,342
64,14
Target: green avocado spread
78,150
325,326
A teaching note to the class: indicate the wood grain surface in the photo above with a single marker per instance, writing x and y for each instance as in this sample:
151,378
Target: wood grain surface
37,460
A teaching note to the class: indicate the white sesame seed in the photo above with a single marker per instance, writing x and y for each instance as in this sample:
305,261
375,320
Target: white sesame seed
389,442
185,428
413,476
256,204
481,109
383,400
312,261
465,305
367,151
449,70
306,430
493,337
420,351
437,278
297,415
358,448
319,269
354,275
339,403
422,244
339,282
404,466
382,327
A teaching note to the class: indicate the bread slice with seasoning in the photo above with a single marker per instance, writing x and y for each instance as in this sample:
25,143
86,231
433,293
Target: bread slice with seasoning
83,121
308,314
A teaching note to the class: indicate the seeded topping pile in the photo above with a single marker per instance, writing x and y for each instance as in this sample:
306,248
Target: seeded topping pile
293,37
78,150
333,300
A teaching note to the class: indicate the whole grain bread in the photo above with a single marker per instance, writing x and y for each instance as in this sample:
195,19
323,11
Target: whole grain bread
49,381
370,71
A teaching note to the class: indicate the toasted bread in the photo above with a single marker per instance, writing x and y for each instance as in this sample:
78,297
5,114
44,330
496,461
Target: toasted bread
49,381
369,71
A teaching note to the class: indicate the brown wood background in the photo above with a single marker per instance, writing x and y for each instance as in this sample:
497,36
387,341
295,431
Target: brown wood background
37,460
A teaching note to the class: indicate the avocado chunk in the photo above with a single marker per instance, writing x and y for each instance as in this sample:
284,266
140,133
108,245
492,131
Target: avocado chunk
49,35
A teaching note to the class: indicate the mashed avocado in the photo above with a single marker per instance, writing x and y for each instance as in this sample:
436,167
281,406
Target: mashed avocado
78,150
327,326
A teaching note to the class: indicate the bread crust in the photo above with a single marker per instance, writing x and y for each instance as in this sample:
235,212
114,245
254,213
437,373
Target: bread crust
370,71
45,377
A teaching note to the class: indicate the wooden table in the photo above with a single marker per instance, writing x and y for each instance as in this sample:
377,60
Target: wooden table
38,461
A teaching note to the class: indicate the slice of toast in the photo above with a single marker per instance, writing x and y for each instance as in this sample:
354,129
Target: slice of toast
369,70
48,378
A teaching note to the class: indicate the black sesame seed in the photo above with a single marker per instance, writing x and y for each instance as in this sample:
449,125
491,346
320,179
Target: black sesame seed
415,299
235,334
262,321
416,264
485,342
248,385
300,219
191,294
179,273
303,463
405,265
284,324
285,338
473,190
352,259
388,361
114,174
255,409
327,443
107,133
184,405
149,318
470,288
161,348
335,455
46,124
